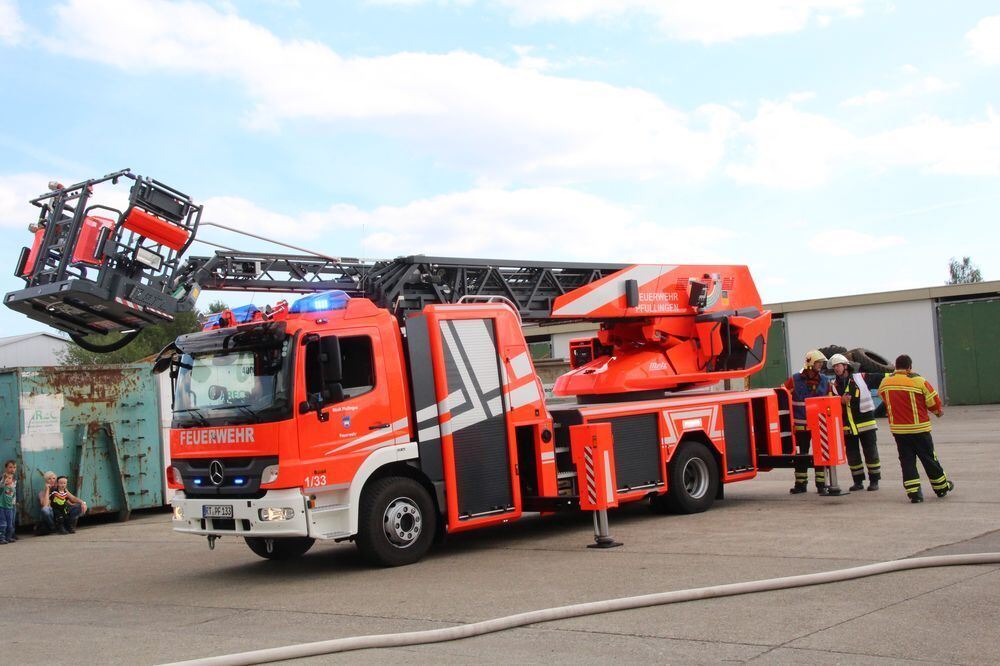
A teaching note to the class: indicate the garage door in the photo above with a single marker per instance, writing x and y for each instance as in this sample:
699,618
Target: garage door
970,337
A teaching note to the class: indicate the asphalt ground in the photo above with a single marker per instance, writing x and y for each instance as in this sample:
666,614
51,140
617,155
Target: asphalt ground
136,593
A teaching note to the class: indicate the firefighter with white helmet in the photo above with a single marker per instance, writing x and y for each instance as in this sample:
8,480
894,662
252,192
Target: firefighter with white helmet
807,383
860,428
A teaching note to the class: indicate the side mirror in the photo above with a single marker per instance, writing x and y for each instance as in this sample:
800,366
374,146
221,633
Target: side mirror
164,358
329,359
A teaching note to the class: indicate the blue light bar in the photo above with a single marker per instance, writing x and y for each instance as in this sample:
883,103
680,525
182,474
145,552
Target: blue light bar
197,482
245,313
239,481
321,302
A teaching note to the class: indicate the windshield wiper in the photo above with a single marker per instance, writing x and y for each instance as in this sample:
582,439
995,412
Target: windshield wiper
246,408
196,413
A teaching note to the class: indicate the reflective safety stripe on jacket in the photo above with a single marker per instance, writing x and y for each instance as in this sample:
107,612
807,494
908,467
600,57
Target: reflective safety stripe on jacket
909,399
859,416
802,391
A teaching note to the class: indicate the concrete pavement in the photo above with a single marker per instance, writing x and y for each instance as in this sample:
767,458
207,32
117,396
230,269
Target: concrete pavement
136,593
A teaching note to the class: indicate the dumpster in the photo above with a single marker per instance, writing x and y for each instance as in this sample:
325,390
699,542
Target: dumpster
97,425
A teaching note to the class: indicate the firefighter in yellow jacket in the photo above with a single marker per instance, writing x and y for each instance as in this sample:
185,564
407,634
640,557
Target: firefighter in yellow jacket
909,401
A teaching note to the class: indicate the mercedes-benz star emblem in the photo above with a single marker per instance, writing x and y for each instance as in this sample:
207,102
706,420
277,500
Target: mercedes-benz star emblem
216,473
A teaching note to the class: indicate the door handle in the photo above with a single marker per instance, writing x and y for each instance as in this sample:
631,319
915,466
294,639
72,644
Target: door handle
379,426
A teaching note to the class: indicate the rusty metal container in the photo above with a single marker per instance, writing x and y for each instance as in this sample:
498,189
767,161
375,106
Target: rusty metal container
98,425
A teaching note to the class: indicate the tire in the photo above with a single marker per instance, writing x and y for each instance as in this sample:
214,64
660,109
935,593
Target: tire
281,549
869,361
830,350
396,522
693,481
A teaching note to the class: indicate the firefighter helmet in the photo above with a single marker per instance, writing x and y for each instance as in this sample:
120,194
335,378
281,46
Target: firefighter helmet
838,358
813,356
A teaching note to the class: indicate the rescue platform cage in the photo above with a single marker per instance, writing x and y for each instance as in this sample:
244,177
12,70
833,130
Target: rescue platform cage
94,268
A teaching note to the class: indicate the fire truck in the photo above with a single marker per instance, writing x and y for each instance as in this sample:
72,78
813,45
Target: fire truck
394,402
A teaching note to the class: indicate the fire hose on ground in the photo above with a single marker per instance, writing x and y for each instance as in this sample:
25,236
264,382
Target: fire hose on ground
410,638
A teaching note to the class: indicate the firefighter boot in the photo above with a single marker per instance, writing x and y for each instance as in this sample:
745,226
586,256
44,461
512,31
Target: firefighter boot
797,488
857,485
873,484
916,498
821,489
945,491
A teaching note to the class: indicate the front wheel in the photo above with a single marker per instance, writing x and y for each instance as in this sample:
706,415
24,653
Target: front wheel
693,481
396,522
279,549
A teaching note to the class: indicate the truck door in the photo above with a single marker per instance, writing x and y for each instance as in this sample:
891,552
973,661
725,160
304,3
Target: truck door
476,442
335,443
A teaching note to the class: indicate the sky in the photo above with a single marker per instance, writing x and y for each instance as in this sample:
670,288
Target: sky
835,146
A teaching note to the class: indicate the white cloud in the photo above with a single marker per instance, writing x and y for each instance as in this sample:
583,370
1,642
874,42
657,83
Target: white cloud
504,122
11,25
534,223
790,148
984,40
15,192
940,146
848,242
707,21
925,86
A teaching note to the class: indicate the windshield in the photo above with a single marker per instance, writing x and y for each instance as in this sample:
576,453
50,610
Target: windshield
240,386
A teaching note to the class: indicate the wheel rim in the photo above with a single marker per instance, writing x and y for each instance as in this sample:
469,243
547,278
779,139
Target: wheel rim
695,477
402,522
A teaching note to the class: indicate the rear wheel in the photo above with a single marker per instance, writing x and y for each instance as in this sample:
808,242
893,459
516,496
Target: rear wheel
396,522
280,549
693,481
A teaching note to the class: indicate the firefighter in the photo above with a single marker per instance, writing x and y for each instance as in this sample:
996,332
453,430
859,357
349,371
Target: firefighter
860,428
808,383
909,401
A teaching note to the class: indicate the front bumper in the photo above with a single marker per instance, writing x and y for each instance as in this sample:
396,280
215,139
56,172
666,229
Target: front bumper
246,517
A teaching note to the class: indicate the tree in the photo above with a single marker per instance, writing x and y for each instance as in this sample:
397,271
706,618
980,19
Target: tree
963,272
149,342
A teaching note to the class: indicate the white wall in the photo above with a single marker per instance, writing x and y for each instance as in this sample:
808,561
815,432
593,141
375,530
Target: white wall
40,350
560,342
888,329
166,401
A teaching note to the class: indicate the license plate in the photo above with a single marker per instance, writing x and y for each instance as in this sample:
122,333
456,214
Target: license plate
217,511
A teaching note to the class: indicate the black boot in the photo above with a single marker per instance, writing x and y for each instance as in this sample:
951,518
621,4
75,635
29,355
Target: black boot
822,489
942,493
797,489
873,484
917,498
858,485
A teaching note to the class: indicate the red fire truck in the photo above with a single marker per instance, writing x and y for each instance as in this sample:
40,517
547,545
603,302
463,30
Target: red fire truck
396,401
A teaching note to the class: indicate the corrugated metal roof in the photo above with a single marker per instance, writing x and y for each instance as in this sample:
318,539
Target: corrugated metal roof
18,338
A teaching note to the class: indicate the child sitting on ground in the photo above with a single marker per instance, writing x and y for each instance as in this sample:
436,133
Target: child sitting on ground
62,500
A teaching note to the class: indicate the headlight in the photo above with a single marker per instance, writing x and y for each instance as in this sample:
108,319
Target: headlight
178,513
272,513
269,475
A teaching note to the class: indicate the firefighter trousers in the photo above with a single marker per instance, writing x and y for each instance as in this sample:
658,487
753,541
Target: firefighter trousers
920,445
866,442
803,440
